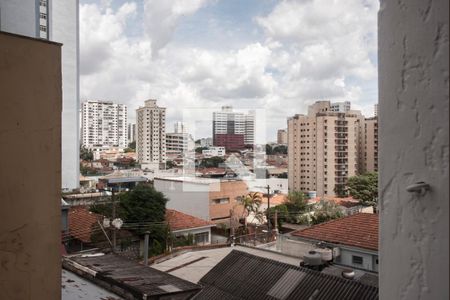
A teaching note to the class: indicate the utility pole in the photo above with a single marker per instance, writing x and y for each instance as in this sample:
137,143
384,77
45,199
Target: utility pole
113,217
146,240
268,209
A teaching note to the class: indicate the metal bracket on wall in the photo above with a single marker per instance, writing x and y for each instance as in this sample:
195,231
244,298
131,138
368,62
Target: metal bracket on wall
419,187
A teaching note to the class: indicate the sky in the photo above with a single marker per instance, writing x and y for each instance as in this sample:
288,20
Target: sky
195,56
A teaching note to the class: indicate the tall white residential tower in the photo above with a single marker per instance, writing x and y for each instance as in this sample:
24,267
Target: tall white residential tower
104,124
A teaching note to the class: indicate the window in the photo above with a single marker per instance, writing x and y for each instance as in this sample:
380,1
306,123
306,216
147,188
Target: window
357,260
221,201
43,28
201,238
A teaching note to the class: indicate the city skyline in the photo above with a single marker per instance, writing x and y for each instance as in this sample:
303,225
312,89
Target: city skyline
207,54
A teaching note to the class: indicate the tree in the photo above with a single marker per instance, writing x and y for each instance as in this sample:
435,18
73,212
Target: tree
283,215
142,209
200,149
364,188
212,162
269,149
297,201
325,211
170,164
86,154
132,145
281,149
251,203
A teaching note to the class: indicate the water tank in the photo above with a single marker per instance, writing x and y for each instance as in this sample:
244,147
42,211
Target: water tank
312,194
326,253
348,274
312,258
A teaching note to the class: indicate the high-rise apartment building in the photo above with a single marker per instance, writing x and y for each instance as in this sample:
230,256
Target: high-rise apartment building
55,21
103,124
375,110
282,136
233,130
344,106
131,133
369,136
151,133
179,141
323,149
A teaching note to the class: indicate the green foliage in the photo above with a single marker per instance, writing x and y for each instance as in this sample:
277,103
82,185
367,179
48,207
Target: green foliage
132,146
297,201
364,188
86,154
212,162
326,211
200,149
87,171
145,208
282,214
170,164
251,203
180,241
280,149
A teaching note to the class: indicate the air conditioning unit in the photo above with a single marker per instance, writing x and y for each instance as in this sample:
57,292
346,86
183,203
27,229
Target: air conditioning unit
336,252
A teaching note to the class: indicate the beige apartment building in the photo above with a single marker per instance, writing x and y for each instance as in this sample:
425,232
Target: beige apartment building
282,136
151,133
369,136
326,147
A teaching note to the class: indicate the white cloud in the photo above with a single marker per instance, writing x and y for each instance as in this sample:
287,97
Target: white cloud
311,50
161,19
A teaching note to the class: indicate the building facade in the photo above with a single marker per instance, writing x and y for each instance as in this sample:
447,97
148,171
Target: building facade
103,123
344,106
55,21
233,130
282,136
323,149
214,151
151,133
131,132
369,137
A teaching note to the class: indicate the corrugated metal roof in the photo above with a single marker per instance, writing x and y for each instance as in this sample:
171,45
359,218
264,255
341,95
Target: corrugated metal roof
244,276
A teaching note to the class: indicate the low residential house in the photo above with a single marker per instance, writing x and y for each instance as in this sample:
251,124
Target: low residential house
241,275
101,164
353,240
210,199
82,224
185,225
122,179
348,205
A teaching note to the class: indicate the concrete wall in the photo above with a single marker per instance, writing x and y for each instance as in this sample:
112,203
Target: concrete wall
195,231
19,17
30,172
369,260
414,146
64,29
189,198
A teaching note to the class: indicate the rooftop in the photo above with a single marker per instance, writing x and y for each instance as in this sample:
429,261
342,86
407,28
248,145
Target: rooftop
81,221
179,221
193,265
359,230
242,275
128,278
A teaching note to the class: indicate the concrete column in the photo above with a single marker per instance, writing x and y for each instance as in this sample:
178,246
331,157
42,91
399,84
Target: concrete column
414,146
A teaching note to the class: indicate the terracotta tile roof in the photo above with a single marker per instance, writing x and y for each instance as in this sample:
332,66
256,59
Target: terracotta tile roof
181,221
359,230
81,221
346,202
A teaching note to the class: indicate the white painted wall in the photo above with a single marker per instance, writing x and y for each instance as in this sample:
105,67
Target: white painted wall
189,198
64,28
195,231
346,259
414,146
19,17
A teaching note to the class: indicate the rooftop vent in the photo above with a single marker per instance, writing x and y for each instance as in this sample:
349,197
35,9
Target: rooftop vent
348,274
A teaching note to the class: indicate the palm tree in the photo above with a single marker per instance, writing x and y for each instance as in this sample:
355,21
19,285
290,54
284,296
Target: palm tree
251,204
